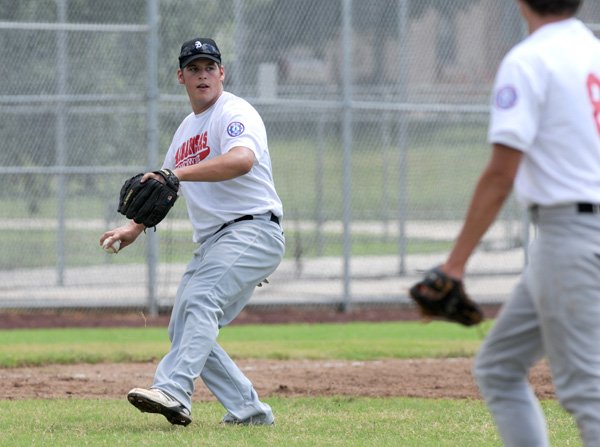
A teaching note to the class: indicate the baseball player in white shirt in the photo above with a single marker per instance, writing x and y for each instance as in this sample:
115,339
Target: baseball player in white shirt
221,157
545,132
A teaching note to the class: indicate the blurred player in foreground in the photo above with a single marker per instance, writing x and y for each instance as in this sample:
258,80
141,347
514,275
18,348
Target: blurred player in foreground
220,155
545,132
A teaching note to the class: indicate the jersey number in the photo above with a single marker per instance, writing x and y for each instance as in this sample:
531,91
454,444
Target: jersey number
593,86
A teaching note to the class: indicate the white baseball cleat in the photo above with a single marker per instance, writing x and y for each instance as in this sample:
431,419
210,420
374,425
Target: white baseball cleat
156,401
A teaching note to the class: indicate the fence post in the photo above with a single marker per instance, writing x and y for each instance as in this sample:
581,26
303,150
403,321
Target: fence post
320,215
61,143
402,132
152,137
347,148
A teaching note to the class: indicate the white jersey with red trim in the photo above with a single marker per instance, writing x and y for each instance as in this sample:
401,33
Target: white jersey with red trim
229,123
546,103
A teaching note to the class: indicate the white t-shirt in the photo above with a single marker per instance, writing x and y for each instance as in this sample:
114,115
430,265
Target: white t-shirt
229,123
546,103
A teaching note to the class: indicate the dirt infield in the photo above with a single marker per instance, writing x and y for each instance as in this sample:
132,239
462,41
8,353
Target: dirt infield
429,378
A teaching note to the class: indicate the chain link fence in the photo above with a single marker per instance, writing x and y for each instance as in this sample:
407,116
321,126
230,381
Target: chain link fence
377,118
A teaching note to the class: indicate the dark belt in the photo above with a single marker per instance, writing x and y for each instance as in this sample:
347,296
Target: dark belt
582,208
273,218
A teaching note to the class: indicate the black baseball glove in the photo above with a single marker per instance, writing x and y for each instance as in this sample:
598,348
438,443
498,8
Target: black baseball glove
439,295
148,203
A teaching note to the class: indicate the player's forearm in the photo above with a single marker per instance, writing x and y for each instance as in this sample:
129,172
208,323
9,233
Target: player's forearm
493,187
233,164
490,194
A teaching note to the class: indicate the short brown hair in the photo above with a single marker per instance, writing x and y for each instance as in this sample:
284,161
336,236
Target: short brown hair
552,7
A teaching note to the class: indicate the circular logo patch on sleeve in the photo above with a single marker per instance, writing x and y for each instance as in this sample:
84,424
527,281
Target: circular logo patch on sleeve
506,97
235,129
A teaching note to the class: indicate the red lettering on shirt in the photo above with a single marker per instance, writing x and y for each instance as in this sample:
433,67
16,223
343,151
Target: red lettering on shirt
593,86
192,151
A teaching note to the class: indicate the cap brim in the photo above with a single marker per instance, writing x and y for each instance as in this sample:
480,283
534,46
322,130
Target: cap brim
199,56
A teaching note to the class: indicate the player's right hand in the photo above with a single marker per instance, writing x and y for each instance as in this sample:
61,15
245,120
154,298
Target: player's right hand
127,234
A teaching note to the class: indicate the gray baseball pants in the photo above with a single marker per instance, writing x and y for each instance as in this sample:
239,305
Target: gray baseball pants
554,311
215,287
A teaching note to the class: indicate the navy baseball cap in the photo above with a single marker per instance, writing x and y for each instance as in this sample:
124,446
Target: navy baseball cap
199,48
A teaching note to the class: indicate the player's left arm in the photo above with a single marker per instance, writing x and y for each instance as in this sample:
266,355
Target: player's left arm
493,188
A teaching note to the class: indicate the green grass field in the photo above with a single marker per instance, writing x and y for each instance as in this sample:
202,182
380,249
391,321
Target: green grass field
307,421
442,164
309,179
310,422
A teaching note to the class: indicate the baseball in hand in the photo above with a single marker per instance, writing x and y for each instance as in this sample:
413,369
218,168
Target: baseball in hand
111,246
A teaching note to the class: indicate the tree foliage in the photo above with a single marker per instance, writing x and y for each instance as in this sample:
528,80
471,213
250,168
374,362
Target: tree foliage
249,32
